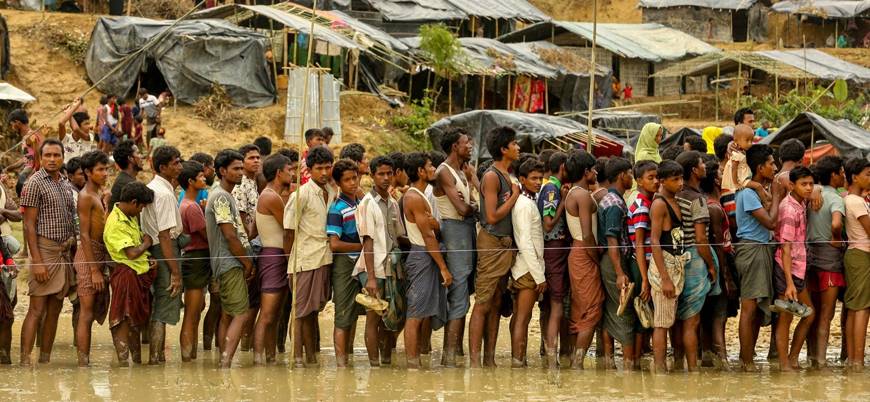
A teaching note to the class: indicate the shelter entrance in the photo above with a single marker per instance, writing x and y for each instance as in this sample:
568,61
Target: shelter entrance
739,25
151,79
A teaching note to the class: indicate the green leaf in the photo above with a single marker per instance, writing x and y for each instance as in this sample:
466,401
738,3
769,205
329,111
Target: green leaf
841,91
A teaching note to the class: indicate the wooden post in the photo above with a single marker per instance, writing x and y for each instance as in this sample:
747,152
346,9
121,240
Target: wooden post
546,96
776,89
450,96
718,75
299,178
510,105
464,94
806,81
295,47
552,34
482,92
410,82
272,48
737,85
473,27
812,141
496,27
590,137
836,35
129,7
355,71
285,56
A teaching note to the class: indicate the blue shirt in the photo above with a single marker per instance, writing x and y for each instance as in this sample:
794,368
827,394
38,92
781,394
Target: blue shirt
761,132
203,195
548,202
341,221
749,228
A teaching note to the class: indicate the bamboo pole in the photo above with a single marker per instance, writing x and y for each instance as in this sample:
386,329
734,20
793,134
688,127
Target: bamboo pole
272,48
299,181
450,96
590,135
482,92
464,94
812,141
129,7
295,47
806,81
355,71
410,81
836,35
547,96
509,104
776,89
718,75
739,88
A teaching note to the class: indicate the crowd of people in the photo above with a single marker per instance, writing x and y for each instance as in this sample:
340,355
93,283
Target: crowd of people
666,247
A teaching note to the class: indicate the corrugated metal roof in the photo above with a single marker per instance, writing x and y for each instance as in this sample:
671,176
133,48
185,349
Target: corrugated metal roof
417,10
820,64
506,9
824,8
651,42
717,4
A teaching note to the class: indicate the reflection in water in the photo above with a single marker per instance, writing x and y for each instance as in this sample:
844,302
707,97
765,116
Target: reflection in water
200,380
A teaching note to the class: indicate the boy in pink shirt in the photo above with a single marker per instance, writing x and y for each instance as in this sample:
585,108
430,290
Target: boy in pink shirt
790,270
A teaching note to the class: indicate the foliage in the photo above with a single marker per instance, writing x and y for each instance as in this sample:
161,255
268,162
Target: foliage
441,47
833,103
415,123
67,39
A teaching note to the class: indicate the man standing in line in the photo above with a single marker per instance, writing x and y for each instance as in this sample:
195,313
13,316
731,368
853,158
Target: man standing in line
495,243
230,253
246,193
162,221
310,256
457,208
89,262
49,230
129,161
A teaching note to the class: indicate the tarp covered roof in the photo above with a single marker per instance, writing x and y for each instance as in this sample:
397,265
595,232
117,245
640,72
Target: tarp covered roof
717,4
678,137
824,8
484,56
849,139
372,31
9,92
442,10
651,42
194,55
789,64
532,130
505,9
417,10
289,20
566,60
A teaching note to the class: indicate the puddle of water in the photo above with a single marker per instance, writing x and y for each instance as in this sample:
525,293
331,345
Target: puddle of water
200,380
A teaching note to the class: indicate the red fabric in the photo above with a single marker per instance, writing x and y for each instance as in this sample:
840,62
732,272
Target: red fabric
627,92
817,152
821,281
538,93
131,296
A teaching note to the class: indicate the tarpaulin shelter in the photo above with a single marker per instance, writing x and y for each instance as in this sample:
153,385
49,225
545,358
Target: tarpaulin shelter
634,51
791,64
534,132
678,137
826,9
621,123
191,57
849,139
9,92
710,20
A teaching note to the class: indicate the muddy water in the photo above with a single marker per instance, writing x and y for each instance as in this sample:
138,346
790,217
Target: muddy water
200,380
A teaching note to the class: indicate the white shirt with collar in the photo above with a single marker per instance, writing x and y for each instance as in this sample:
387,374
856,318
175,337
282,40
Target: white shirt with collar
163,213
529,237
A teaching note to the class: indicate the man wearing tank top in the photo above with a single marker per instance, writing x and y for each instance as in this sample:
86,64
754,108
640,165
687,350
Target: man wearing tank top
453,193
494,242
426,293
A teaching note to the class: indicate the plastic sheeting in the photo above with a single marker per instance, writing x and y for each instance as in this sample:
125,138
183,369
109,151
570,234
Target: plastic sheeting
820,64
824,8
504,9
849,139
417,10
372,32
533,130
717,4
292,21
678,137
622,124
650,42
321,106
530,51
191,57
8,92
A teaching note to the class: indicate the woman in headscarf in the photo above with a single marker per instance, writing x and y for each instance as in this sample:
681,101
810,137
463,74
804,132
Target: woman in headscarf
648,143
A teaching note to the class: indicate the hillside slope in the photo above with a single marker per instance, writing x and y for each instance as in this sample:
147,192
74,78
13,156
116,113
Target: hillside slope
624,11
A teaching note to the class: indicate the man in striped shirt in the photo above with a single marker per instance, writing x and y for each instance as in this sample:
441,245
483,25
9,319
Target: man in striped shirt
639,225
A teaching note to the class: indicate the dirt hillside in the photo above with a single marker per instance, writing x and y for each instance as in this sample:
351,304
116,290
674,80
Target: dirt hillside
49,73
624,11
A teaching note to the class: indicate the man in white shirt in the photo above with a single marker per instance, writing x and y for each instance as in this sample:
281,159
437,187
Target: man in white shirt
527,274
162,221
149,108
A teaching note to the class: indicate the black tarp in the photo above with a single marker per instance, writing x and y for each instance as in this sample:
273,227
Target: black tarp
621,124
849,139
193,56
678,137
533,130
4,42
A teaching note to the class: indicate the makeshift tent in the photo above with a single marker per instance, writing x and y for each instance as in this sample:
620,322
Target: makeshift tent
519,10
534,132
849,139
633,50
5,65
711,20
791,64
417,10
8,92
823,8
620,123
678,137
191,57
